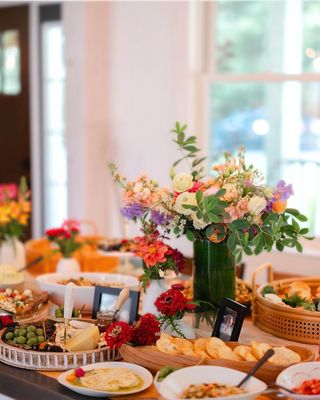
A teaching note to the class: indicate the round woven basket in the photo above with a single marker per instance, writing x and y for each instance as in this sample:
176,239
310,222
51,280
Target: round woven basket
45,361
285,322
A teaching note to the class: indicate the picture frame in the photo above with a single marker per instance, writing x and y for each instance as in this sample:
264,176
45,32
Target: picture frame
105,299
229,320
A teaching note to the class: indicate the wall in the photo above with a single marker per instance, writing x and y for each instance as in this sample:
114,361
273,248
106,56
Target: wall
127,84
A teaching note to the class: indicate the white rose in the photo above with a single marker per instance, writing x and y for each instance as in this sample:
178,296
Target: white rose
187,199
198,223
182,182
256,205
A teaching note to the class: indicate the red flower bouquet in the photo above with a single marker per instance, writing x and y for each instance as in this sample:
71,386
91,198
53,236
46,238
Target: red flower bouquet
172,306
65,237
144,332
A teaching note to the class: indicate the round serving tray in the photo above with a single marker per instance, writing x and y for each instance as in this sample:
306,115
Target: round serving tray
49,361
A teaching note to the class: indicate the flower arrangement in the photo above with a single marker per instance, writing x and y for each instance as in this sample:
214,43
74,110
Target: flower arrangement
173,306
15,209
231,205
143,332
157,257
65,237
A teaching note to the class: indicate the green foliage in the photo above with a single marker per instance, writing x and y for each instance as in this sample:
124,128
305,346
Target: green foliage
281,230
189,150
268,290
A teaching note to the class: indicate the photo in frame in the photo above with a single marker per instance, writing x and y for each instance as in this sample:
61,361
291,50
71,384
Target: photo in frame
105,299
229,320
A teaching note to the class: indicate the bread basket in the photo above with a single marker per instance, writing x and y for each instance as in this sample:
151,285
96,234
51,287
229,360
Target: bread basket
285,322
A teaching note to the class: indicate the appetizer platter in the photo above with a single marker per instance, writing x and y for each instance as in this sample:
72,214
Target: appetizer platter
25,305
116,248
48,345
289,308
178,352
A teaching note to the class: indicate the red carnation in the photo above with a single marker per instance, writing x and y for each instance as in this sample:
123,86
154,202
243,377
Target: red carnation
146,330
171,302
117,334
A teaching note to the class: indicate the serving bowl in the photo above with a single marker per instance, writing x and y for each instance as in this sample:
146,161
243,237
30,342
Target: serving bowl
174,384
293,376
83,295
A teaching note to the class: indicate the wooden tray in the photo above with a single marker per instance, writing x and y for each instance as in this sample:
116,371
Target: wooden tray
152,359
49,361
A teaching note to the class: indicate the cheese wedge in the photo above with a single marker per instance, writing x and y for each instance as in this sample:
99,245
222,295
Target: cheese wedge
87,339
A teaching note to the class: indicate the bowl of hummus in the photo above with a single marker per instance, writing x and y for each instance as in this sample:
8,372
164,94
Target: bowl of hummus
107,379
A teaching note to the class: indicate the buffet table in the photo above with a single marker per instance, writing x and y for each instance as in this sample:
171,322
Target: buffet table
18,383
24,384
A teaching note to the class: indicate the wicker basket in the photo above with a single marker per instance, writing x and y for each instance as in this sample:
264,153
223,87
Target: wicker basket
46,361
288,323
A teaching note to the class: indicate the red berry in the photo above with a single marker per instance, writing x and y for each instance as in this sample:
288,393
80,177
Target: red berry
79,372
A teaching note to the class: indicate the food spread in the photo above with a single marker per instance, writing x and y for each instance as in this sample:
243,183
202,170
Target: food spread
21,302
298,295
212,390
215,348
87,282
308,387
106,379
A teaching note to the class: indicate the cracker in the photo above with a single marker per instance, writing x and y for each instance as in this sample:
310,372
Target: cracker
245,353
259,349
284,356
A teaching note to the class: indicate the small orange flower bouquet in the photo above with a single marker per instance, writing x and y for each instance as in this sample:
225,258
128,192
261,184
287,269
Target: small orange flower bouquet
15,209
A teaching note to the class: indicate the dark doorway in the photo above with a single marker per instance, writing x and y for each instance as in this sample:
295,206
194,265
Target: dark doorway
14,94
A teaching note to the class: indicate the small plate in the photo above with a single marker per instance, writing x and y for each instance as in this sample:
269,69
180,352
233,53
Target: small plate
296,374
144,374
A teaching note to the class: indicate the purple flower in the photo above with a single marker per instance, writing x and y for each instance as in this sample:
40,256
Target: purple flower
159,218
132,211
283,191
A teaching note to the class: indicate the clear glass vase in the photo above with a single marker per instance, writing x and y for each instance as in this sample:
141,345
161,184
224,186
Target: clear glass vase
213,279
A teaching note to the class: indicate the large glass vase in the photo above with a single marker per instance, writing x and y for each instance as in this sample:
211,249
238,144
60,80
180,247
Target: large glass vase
213,278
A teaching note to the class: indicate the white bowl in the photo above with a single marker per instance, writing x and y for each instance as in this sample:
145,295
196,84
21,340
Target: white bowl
293,376
142,372
173,385
84,295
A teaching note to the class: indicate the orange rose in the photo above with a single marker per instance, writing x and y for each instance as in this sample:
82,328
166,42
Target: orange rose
279,206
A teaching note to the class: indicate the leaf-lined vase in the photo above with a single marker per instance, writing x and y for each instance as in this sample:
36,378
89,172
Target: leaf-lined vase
213,278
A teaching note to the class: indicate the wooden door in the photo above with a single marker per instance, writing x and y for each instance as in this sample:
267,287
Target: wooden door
14,94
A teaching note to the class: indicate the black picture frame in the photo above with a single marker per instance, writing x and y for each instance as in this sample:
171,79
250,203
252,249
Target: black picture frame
229,320
134,298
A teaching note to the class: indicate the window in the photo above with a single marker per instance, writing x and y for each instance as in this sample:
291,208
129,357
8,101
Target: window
53,122
263,80
10,83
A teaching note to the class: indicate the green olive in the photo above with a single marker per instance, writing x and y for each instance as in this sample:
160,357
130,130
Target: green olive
58,313
41,339
16,332
31,335
22,332
9,335
32,341
31,328
39,332
76,313
21,339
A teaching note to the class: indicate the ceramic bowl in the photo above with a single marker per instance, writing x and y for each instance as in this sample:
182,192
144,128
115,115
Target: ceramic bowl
83,295
174,384
296,374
